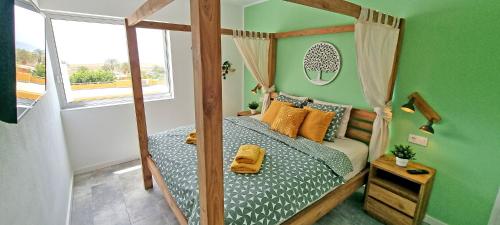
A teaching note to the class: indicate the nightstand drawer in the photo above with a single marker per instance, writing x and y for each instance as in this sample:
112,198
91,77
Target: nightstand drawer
402,204
386,213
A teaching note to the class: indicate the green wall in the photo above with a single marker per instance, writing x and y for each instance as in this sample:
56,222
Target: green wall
289,70
450,55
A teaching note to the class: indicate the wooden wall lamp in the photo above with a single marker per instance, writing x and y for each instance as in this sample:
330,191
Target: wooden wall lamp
256,88
432,116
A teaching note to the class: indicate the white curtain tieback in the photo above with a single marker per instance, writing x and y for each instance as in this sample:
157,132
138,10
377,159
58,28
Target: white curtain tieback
268,90
385,112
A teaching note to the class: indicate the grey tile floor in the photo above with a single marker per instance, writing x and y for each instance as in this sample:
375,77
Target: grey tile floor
115,196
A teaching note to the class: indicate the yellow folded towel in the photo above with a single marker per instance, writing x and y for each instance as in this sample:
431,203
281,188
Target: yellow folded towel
249,168
191,138
248,154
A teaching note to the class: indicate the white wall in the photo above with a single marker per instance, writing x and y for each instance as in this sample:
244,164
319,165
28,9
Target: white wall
106,135
35,174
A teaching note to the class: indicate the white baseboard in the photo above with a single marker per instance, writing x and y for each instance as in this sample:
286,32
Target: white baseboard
70,201
102,165
433,221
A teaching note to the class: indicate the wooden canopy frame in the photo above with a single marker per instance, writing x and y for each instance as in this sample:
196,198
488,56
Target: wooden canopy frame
206,37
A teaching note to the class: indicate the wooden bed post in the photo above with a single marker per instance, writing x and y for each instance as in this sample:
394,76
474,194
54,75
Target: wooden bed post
395,63
206,38
135,70
271,66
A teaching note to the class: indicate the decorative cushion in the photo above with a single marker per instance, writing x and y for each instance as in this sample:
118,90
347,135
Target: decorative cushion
288,120
296,102
316,124
273,110
335,123
345,119
301,98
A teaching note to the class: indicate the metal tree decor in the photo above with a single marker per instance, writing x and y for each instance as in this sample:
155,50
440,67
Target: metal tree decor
322,57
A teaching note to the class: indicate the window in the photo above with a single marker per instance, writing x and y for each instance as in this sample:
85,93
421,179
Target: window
94,67
30,56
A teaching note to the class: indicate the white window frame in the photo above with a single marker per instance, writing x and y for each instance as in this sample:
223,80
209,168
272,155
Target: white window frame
56,67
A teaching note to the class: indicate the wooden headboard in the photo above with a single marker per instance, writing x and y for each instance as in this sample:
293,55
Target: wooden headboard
360,124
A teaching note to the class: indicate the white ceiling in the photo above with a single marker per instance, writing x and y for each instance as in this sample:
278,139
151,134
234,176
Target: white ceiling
243,2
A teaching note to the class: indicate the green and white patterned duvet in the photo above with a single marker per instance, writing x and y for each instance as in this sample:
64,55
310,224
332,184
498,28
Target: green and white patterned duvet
295,172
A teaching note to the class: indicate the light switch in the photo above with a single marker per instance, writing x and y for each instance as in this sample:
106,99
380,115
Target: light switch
418,140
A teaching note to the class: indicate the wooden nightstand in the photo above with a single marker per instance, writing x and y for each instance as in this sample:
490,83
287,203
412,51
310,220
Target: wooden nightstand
394,196
247,113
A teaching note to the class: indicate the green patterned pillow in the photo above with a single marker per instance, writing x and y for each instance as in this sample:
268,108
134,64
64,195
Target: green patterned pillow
336,122
296,102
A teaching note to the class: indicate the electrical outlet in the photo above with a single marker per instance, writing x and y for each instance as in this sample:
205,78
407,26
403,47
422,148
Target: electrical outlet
418,140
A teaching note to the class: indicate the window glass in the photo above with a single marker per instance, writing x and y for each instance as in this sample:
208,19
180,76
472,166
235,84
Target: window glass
94,62
30,58
153,47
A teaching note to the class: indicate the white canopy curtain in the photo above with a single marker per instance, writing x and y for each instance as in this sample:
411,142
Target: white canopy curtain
254,48
376,43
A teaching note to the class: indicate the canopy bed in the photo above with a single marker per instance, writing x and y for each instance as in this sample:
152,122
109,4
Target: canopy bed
205,178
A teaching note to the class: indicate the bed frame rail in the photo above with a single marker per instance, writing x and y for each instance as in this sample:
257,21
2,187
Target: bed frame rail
320,208
166,193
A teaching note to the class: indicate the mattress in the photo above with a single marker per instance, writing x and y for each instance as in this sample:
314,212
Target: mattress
356,151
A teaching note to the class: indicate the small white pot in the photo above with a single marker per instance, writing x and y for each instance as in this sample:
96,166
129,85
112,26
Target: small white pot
253,111
401,162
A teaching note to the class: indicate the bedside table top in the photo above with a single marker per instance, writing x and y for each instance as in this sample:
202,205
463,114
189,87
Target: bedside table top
247,113
388,163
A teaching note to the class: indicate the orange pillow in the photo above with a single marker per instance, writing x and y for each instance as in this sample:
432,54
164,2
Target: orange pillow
288,120
272,111
316,124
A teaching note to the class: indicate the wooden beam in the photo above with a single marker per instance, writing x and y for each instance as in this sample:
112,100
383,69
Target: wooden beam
315,31
175,27
271,66
337,6
166,192
163,26
206,38
395,63
425,108
140,114
318,209
341,7
147,9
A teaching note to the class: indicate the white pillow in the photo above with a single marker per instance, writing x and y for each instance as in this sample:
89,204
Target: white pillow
293,96
345,119
257,116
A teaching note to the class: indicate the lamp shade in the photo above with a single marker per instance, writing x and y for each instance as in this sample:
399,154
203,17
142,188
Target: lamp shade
409,106
427,128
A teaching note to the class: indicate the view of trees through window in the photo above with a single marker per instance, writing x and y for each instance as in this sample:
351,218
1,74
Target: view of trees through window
30,57
94,60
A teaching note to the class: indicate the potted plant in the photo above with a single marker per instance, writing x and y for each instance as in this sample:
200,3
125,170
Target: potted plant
403,154
253,107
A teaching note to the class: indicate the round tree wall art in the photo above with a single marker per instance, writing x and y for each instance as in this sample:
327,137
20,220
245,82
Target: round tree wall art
322,63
